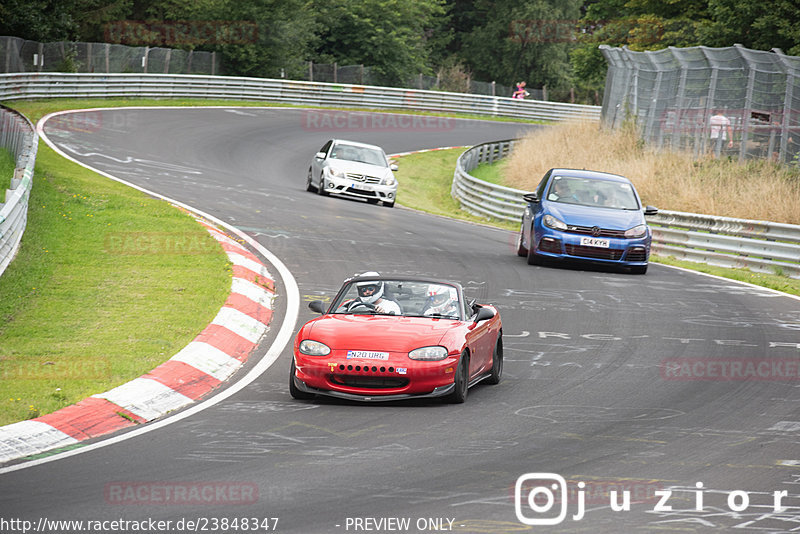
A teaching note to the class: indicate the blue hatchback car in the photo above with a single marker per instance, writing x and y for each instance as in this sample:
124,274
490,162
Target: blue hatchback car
588,216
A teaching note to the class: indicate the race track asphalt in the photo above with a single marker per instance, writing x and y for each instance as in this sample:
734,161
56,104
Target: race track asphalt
585,394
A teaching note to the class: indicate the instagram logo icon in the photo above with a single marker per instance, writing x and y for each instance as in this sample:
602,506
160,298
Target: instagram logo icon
540,493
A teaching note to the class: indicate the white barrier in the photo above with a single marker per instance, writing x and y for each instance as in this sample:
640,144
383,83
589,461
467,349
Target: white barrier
19,136
76,85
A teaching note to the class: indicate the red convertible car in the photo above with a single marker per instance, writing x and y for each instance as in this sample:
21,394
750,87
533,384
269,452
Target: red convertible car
392,338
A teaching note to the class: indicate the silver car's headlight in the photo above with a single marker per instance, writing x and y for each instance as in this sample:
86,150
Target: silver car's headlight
335,172
314,348
389,180
431,354
552,222
637,231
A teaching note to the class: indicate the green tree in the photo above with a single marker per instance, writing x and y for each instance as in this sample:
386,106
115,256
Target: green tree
521,41
391,36
754,24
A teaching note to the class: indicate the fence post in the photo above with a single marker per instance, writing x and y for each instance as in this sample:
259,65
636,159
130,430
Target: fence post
676,136
166,61
791,78
335,72
748,101
310,71
108,64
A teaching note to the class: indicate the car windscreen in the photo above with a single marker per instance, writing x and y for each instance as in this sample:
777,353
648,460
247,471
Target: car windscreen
359,153
593,192
400,297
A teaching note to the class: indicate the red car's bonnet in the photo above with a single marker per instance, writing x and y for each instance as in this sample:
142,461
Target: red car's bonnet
378,332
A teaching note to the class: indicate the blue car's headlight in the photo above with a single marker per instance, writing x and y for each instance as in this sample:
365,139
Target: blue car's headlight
428,353
552,222
637,231
314,348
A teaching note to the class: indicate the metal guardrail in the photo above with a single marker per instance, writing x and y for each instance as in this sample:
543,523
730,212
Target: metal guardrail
760,246
19,136
77,85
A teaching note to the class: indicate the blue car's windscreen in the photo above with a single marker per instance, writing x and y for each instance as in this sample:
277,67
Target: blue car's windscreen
595,193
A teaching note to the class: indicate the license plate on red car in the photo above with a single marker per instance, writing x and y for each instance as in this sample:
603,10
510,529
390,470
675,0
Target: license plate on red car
594,242
367,355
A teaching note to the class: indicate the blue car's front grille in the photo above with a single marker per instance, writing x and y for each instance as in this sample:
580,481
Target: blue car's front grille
594,252
602,232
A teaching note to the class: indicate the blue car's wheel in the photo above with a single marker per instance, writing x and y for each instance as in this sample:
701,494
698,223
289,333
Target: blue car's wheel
521,250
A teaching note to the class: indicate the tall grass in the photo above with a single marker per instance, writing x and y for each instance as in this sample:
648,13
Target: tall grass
674,181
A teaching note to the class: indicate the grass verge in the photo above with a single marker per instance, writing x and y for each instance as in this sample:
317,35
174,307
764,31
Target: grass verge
425,181
108,283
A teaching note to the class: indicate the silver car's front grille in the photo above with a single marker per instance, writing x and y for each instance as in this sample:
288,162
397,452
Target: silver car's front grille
363,178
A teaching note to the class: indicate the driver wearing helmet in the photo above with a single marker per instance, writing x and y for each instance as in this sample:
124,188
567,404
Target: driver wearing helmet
370,295
441,302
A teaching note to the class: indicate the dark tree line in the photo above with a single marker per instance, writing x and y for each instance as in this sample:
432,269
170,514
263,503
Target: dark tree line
549,43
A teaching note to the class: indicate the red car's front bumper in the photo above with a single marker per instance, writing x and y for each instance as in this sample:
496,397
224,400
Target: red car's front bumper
397,377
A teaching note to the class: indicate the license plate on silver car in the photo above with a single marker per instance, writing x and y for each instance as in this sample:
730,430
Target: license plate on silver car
594,242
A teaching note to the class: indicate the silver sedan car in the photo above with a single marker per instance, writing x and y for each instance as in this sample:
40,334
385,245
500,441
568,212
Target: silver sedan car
353,169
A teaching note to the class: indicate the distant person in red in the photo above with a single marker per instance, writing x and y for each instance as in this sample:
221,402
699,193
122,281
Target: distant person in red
520,93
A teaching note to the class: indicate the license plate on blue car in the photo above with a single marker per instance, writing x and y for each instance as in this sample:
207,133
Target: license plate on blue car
594,242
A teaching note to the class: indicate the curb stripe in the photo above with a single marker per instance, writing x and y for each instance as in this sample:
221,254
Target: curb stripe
241,271
146,398
184,379
30,437
249,307
241,324
226,341
252,291
208,359
238,249
89,418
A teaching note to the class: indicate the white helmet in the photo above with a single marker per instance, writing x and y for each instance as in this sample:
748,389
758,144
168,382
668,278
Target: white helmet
439,297
369,291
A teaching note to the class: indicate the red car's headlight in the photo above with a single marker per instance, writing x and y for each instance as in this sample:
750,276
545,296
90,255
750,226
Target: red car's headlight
314,348
428,353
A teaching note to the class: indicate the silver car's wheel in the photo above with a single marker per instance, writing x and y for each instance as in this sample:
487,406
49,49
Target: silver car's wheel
309,180
321,186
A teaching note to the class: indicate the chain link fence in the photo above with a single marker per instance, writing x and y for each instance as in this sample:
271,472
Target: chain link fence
20,55
361,75
729,102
